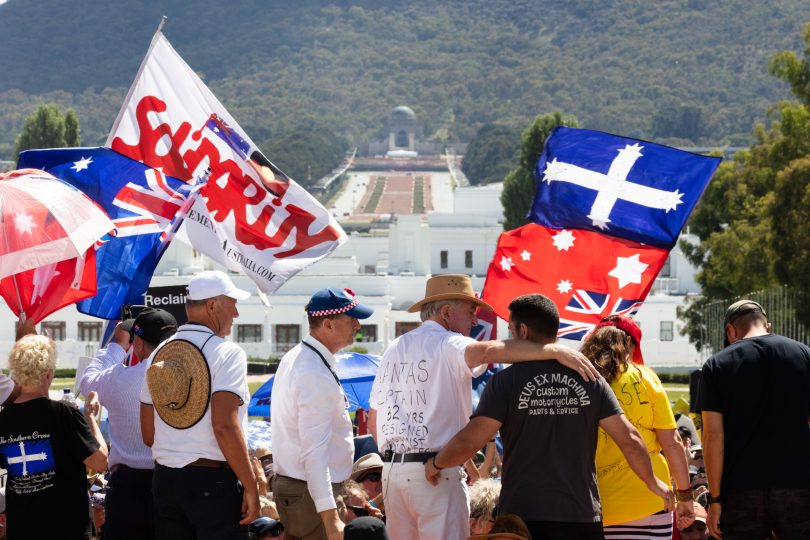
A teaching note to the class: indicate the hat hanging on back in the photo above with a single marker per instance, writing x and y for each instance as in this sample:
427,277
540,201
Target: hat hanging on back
739,309
180,383
334,301
213,283
627,324
449,287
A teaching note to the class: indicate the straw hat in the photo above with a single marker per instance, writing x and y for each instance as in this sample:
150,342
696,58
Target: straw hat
180,383
506,526
448,287
365,464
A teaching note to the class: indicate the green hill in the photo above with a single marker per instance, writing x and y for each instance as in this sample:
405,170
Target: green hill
681,71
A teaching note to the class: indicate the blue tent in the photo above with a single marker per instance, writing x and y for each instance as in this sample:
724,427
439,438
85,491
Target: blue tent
356,372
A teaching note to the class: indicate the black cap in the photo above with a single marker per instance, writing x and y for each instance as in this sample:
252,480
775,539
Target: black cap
153,325
365,528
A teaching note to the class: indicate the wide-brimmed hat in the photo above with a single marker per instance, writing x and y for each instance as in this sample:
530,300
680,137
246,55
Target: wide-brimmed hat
739,309
365,464
333,301
180,383
506,526
449,287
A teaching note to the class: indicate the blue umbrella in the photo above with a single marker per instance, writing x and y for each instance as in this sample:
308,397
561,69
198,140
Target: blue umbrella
356,372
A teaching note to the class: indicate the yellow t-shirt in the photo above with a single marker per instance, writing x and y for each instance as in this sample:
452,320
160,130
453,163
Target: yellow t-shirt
646,405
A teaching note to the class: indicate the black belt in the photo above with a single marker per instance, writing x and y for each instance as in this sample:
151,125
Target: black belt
420,457
121,467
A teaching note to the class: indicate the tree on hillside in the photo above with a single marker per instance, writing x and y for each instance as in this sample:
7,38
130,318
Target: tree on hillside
519,185
47,128
753,221
305,151
491,154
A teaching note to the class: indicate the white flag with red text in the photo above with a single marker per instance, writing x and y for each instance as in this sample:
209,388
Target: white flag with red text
249,215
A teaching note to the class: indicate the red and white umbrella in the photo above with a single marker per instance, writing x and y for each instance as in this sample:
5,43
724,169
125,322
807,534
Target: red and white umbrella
44,221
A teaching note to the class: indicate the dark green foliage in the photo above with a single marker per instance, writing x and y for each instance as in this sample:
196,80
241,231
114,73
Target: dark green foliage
376,195
520,185
491,154
459,64
47,128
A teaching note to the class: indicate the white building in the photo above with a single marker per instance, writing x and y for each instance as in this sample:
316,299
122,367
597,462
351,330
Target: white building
387,270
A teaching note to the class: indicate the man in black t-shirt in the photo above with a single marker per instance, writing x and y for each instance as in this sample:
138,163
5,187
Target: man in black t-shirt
548,417
759,385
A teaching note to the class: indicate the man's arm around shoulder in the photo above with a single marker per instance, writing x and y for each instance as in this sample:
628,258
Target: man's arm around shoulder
521,350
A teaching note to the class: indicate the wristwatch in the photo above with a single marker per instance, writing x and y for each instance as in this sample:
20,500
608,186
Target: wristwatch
710,499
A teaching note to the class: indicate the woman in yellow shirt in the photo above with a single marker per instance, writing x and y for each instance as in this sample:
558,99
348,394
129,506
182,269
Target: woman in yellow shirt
629,509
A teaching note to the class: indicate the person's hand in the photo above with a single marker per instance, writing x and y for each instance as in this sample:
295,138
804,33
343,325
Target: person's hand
713,521
374,512
665,492
332,524
121,337
261,479
25,327
91,405
250,506
432,474
684,514
575,360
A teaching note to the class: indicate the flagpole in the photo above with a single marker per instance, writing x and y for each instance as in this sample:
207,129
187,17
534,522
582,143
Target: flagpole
131,90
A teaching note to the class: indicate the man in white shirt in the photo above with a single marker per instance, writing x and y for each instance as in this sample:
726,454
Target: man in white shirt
128,504
312,439
194,416
422,396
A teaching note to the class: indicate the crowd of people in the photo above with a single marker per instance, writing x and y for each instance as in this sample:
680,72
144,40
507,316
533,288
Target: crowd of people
591,447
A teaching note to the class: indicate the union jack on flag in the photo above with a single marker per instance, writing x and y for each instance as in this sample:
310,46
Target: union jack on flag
586,308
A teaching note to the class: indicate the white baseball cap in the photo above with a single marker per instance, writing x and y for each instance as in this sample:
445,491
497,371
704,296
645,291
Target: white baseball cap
213,283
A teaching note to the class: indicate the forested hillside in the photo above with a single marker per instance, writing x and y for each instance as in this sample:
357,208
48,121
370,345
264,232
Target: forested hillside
680,71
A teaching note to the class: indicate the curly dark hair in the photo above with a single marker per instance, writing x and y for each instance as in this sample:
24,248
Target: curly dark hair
608,349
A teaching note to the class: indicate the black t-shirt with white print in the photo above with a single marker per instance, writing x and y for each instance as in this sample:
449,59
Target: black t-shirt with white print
43,445
550,419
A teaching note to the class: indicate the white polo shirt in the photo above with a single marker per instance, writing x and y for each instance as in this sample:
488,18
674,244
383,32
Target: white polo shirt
228,365
423,390
312,437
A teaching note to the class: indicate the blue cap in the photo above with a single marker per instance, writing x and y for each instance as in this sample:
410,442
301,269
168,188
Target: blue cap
336,301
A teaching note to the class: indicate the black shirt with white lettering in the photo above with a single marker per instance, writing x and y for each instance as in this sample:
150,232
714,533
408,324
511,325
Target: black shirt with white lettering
43,445
550,419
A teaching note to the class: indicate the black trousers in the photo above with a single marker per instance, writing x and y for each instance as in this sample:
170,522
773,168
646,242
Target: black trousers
128,506
753,514
197,503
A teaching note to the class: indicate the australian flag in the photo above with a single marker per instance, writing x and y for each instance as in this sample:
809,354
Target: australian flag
575,322
140,200
622,187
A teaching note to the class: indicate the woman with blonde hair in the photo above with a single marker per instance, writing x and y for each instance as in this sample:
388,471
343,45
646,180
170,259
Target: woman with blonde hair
45,446
629,509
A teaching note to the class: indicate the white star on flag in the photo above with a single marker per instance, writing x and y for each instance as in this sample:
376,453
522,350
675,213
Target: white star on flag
507,264
564,286
628,270
563,240
526,256
24,222
82,164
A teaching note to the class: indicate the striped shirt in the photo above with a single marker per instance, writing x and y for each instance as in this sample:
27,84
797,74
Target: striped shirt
118,388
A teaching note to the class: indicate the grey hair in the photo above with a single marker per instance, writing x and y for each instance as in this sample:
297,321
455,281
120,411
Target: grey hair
484,496
431,309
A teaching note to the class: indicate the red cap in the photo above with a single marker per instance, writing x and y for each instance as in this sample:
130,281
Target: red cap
627,324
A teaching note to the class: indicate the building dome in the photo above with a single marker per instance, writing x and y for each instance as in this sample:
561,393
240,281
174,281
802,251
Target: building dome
403,112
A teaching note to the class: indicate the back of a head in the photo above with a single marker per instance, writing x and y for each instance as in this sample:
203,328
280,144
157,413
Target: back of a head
484,497
607,347
365,528
31,358
538,313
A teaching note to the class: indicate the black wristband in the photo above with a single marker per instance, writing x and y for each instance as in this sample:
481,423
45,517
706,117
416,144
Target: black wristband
433,459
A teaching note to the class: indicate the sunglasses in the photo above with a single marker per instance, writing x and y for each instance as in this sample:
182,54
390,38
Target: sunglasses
374,477
359,511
